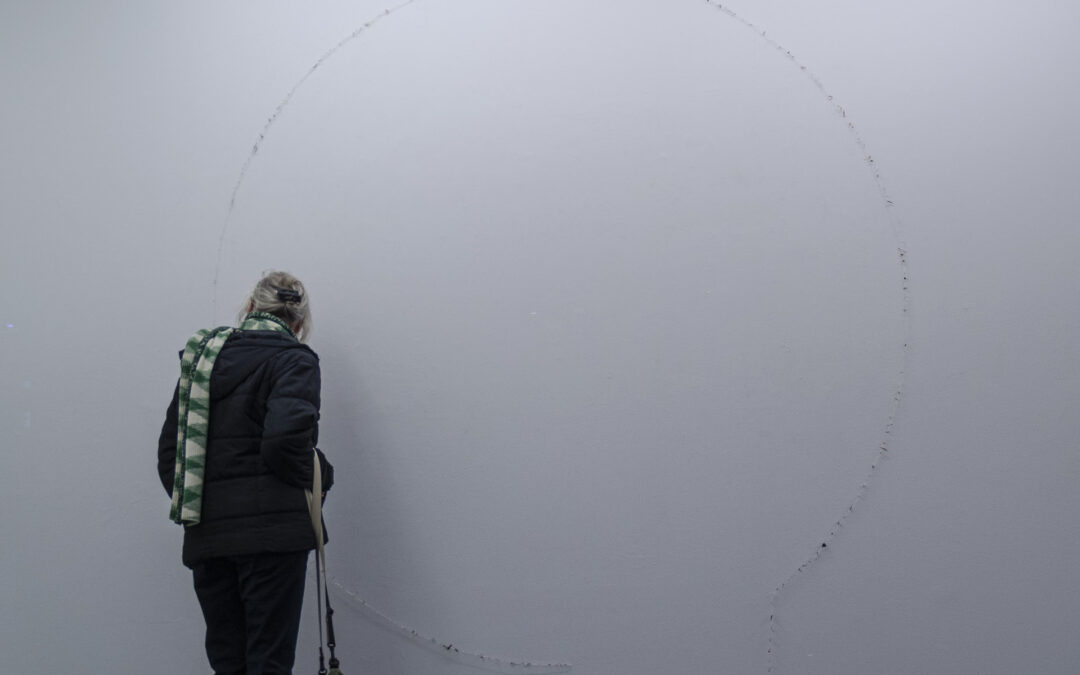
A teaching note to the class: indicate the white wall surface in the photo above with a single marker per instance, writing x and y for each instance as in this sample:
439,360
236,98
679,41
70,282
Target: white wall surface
619,324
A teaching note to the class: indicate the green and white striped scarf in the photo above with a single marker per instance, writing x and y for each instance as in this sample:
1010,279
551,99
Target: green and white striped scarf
193,413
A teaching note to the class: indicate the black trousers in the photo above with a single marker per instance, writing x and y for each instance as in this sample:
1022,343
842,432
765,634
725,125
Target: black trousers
251,604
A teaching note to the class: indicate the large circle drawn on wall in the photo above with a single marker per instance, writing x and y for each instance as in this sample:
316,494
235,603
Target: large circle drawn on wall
561,263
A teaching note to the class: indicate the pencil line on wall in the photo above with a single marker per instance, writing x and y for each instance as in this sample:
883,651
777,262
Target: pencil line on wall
482,661
446,649
882,450
270,122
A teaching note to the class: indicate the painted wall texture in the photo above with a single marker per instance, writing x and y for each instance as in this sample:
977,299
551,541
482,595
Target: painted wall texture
657,337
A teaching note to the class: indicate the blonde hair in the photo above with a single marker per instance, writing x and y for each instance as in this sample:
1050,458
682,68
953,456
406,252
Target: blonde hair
265,298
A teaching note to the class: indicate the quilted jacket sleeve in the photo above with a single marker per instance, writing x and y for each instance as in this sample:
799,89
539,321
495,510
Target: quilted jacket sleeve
291,426
166,454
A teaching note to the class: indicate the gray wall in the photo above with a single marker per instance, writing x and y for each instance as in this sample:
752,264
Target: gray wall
657,337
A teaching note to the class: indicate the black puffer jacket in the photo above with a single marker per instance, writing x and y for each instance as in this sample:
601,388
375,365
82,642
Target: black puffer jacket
264,411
